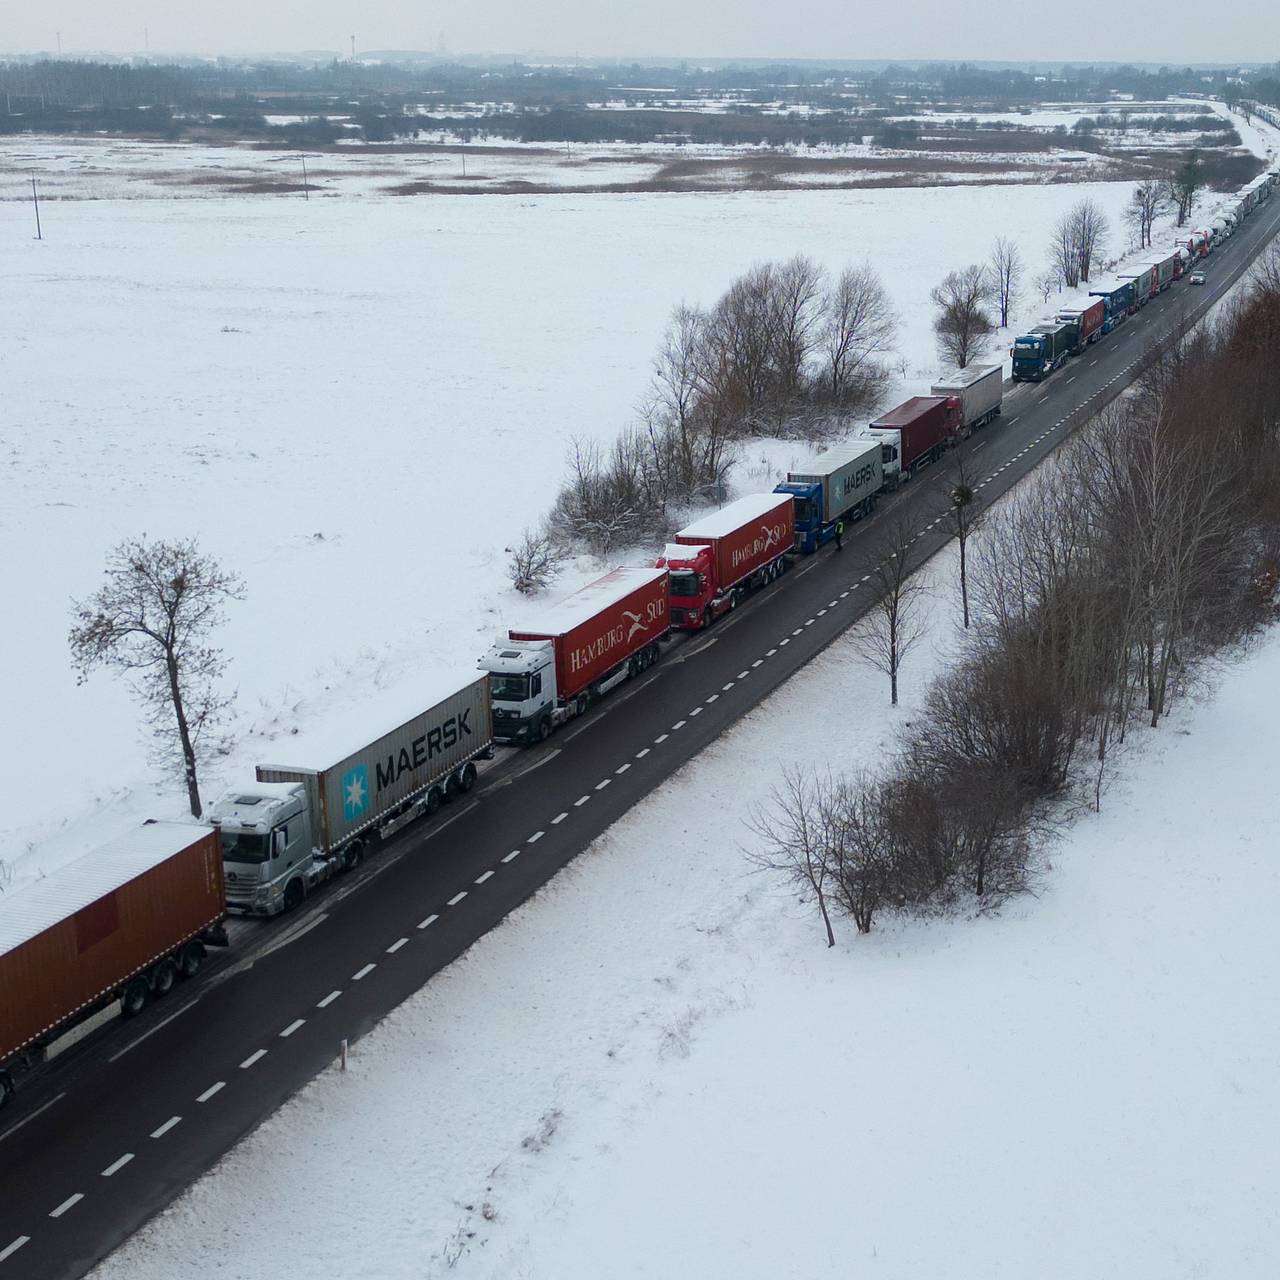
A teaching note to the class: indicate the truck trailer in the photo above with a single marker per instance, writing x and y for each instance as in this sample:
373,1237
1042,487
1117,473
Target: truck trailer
1146,281
716,560
1038,353
978,392
298,824
1086,323
837,486
102,936
1167,265
914,434
555,664
1117,297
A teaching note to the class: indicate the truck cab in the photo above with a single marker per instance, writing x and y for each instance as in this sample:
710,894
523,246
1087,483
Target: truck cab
695,602
809,524
522,686
269,860
890,454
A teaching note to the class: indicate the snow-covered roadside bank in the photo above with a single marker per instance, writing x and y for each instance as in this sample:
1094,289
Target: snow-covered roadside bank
656,1068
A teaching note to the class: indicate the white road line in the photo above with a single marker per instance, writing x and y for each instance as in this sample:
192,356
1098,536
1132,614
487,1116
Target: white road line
256,1056
622,768
400,942
821,612
217,1087
537,835
742,675
844,593
10,1249
712,698
363,972
328,1000
511,857
866,577
679,724
69,1203
483,876
660,739
644,751
808,622
457,898
430,920
164,1128
8,1133
724,688
770,652
759,662
559,818
580,801
831,604
798,630
697,711
292,1027
116,1165
604,782
786,641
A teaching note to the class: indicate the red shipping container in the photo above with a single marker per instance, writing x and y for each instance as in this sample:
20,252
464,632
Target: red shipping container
70,941
602,625
744,536
1091,321
924,421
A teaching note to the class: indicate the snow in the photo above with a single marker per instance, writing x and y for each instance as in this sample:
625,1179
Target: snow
588,602
729,519
826,462
656,1068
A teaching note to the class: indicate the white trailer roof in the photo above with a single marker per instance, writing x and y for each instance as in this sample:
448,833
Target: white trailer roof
683,550
585,604
719,524
963,379
39,906
829,461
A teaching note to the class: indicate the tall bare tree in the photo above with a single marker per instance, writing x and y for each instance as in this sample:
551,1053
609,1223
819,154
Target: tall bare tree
896,621
963,322
1005,266
1184,186
1150,199
859,323
153,619
796,307
1089,231
1064,251
964,510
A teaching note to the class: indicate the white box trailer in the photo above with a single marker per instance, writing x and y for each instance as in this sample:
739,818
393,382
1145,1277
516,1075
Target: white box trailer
979,390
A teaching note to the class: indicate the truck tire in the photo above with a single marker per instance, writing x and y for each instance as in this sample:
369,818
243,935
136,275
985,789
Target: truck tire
190,958
6,1088
133,998
434,800
468,776
707,617
352,857
452,787
295,891
544,728
163,977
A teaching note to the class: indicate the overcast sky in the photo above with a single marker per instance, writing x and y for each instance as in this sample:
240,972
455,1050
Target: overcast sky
1174,31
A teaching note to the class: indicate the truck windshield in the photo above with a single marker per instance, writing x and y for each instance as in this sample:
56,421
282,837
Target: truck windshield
684,583
806,511
508,688
243,846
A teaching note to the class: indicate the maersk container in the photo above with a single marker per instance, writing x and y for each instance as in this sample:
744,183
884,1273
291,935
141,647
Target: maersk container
599,627
348,792
122,921
847,474
744,536
979,391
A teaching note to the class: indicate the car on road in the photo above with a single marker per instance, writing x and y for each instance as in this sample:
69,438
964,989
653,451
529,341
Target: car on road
1196,277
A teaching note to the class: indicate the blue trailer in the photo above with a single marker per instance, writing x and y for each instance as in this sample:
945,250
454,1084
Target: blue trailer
1118,295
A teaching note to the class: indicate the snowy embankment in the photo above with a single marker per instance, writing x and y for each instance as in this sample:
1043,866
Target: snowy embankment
656,1068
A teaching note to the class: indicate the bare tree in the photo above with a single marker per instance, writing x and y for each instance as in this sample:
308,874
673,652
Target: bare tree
533,563
1150,199
1089,232
859,323
153,619
962,323
1064,251
1005,267
1048,281
895,622
964,498
1184,185
796,307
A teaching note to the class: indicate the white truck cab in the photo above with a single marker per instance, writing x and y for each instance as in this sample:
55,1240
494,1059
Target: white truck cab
890,453
522,686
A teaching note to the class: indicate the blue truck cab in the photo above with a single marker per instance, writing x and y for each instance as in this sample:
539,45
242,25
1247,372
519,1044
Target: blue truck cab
1038,353
834,488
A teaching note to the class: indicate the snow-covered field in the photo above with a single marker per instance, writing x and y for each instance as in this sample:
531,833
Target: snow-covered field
656,1068
356,404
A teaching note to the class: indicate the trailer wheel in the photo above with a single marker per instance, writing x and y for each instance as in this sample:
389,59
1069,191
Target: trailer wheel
163,977
294,891
544,728
468,776
133,998
351,859
434,800
6,1088
655,652
452,787
190,959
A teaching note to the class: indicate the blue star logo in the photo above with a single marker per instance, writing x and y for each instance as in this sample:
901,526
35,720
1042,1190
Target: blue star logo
355,792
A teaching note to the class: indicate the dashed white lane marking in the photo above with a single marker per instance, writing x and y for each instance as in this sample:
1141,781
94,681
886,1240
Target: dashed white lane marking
363,972
821,612
712,698
328,1000
116,1165
798,630
559,818
580,801
483,876
622,768
10,1249
644,751
216,1087
457,898
831,604
742,675
697,711
256,1056
724,688
844,593
511,857
759,662
785,641
430,920
292,1027
808,622
400,942
604,782
533,839
660,739
69,1203
770,652
866,577
164,1128
679,724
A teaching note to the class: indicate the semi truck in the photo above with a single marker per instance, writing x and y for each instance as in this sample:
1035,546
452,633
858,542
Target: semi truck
103,935
1086,323
1168,268
555,664
978,392
716,560
1117,297
914,434
296,825
838,486
1038,353
1146,281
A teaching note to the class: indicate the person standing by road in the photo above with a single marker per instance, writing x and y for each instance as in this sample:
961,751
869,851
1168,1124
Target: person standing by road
839,535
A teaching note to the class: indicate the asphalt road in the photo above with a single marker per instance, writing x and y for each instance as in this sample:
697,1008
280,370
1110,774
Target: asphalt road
106,1135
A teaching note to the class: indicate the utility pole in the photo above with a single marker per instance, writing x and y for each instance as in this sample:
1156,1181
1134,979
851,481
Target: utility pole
353,48
306,195
35,200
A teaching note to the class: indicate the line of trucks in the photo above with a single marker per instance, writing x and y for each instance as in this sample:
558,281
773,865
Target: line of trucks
124,924
1047,346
